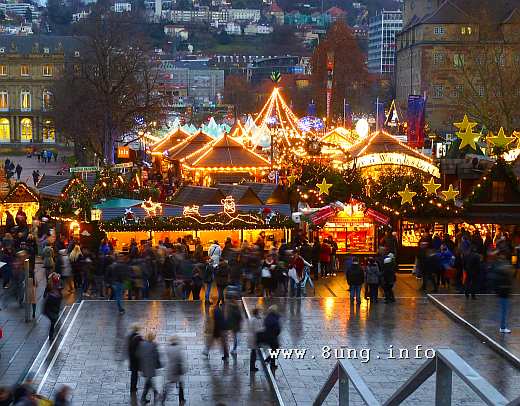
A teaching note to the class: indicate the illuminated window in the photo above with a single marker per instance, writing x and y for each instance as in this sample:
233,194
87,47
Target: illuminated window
438,30
26,130
498,191
458,60
47,70
438,58
25,100
465,30
24,70
438,91
46,100
481,91
49,132
4,101
3,70
5,130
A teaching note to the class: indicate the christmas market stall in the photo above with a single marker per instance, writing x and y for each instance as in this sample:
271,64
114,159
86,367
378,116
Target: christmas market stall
20,197
161,147
154,221
224,160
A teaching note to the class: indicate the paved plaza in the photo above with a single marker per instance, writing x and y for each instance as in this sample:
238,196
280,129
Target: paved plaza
313,323
92,357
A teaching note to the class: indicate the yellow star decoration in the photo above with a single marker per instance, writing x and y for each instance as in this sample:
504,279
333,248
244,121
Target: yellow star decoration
517,135
450,193
324,186
291,179
463,126
431,187
406,195
468,137
501,140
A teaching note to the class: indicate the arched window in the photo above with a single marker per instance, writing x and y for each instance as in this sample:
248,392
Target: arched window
25,100
26,130
49,132
4,100
5,130
46,100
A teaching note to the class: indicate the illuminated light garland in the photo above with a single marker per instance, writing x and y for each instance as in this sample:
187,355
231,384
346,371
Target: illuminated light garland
151,208
393,158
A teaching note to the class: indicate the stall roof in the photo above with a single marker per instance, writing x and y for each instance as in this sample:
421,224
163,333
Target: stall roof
172,139
47,180
226,152
118,203
242,194
20,193
269,193
200,195
55,189
189,145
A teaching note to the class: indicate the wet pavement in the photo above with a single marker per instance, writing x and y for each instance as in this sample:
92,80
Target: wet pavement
92,361
484,314
314,323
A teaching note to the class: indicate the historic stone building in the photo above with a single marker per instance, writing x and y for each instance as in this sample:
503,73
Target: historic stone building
437,39
28,67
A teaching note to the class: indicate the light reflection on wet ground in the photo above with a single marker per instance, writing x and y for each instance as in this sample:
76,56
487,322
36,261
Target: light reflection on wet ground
314,323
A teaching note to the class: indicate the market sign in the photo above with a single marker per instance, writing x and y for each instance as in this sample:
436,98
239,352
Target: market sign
379,217
322,215
123,152
84,169
393,158
123,165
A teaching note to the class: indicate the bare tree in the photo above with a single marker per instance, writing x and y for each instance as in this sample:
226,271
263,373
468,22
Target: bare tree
110,89
489,88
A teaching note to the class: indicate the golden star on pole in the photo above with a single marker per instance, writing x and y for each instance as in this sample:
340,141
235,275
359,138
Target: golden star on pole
468,137
517,135
463,126
291,179
450,193
324,186
406,195
501,140
431,187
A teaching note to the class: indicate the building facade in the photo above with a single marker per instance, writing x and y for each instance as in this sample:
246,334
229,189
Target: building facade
28,67
382,30
438,39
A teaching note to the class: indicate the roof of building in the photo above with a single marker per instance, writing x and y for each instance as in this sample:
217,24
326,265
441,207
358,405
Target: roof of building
36,44
118,203
226,152
448,13
336,12
241,193
267,191
21,193
199,195
47,180
275,8
189,145
382,142
55,189
172,139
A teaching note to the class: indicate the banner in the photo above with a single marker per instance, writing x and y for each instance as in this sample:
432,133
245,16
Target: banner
379,217
415,120
322,215
380,115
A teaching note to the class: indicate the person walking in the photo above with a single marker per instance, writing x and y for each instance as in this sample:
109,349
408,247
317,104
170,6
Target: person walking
218,330
503,277
62,397
389,278
18,171
325,253
48,258
221,279
30,292
254,327
51,308
270,333
119,273
149,363
208,277
472,265
214,253
268,267
133,342
176,369
355,278
234,321
372,279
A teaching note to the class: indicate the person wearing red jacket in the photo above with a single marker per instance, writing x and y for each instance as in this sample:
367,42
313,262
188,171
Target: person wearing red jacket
325,257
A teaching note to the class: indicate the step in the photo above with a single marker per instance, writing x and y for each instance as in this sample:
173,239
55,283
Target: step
406,268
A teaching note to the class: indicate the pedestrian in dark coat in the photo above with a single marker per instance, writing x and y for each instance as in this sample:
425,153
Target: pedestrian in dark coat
18,171
389,278
222,280
269,336
355,278
149,363
234,320
51,309
133,341
472,266
218,327
372,279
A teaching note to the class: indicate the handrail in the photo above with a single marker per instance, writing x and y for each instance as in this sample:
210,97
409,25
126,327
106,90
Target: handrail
442,365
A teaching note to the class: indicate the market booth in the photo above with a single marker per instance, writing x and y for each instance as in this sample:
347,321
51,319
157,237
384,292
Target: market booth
20,196
208,222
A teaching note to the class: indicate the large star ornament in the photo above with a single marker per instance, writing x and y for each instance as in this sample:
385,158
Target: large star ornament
468,137
406,195
324,186
463,126
431,187
501,140
450,194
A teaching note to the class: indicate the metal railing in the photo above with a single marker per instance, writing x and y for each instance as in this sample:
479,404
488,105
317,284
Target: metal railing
442,365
